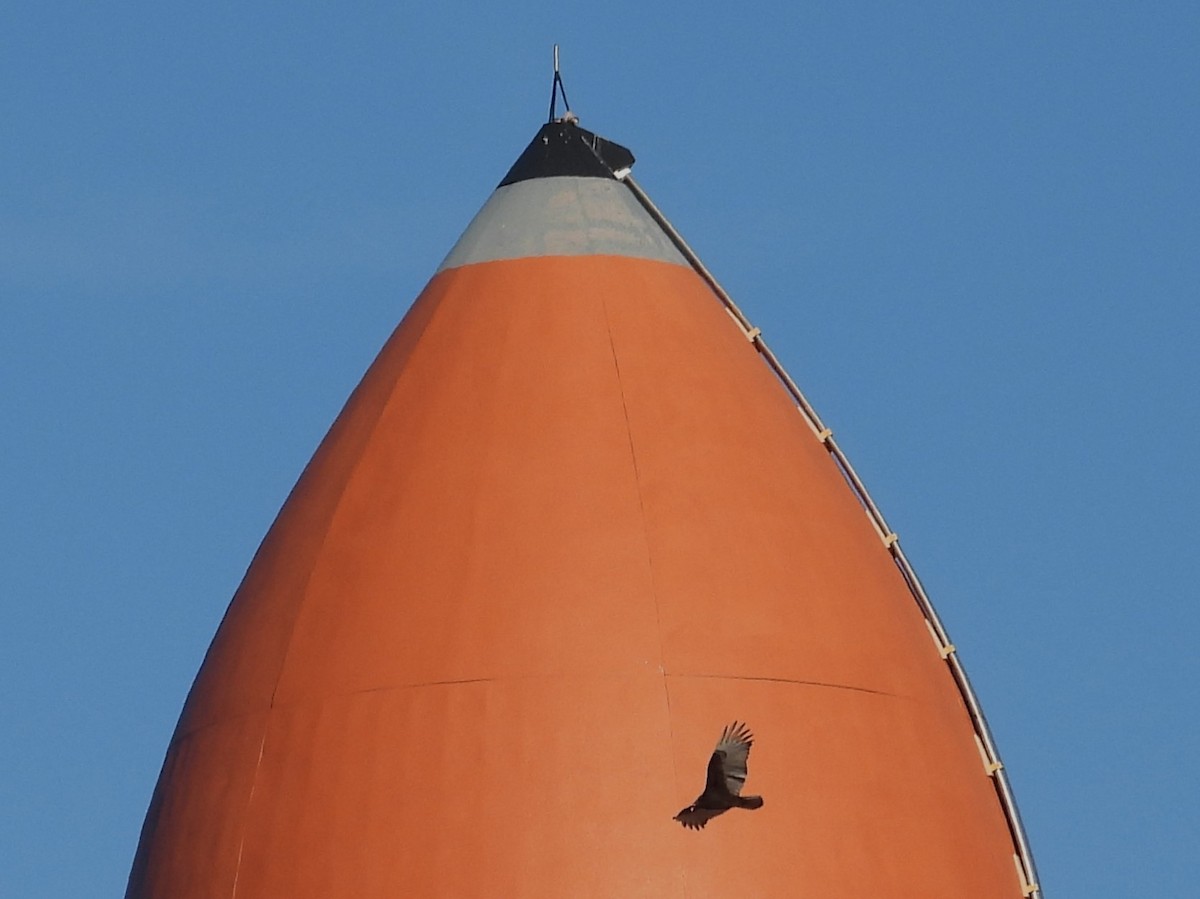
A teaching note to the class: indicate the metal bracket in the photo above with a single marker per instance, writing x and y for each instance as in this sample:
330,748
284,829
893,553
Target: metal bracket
990,765
1028,888
944,650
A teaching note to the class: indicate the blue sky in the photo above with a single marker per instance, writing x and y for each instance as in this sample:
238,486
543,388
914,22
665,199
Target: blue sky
971,232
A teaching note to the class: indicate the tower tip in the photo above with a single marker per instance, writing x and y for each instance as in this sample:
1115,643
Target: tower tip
557,88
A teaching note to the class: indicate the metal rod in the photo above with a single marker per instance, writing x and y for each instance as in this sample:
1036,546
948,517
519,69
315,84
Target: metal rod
1004,792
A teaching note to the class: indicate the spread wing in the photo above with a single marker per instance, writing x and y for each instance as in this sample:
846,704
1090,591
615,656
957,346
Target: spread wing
729,758
695,818
714,784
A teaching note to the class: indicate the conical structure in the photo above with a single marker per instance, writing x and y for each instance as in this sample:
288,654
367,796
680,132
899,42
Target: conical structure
567,528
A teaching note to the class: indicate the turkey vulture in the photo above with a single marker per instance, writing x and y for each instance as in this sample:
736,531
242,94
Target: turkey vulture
726,774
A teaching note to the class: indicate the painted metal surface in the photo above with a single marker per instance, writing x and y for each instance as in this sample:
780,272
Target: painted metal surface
567,527
561,217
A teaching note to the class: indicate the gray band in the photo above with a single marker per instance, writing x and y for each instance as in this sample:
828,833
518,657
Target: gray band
564,216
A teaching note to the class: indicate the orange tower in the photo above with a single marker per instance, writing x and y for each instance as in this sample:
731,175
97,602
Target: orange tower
573,522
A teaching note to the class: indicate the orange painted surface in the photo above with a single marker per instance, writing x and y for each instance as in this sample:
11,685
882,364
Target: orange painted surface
567,528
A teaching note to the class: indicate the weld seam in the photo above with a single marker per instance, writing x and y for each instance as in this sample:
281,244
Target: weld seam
788,680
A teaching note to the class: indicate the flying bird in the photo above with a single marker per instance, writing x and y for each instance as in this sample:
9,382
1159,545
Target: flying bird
726,774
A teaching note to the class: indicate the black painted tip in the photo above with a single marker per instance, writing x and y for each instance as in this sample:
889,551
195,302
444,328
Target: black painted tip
563,148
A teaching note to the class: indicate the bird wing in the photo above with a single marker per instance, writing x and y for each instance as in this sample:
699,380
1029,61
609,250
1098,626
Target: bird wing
695,818
729,758
715,785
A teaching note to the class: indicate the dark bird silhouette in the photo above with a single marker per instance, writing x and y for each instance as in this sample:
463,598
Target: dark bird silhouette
726,774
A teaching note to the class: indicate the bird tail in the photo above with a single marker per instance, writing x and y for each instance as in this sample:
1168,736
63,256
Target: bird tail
749,802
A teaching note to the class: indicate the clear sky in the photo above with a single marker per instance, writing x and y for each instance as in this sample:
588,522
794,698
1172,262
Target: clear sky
970,231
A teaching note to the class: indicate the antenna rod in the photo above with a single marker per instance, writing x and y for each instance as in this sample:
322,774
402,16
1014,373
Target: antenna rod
556,88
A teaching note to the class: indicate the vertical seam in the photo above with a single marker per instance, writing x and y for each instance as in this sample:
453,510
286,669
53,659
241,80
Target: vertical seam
304,596
637,482
262,745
